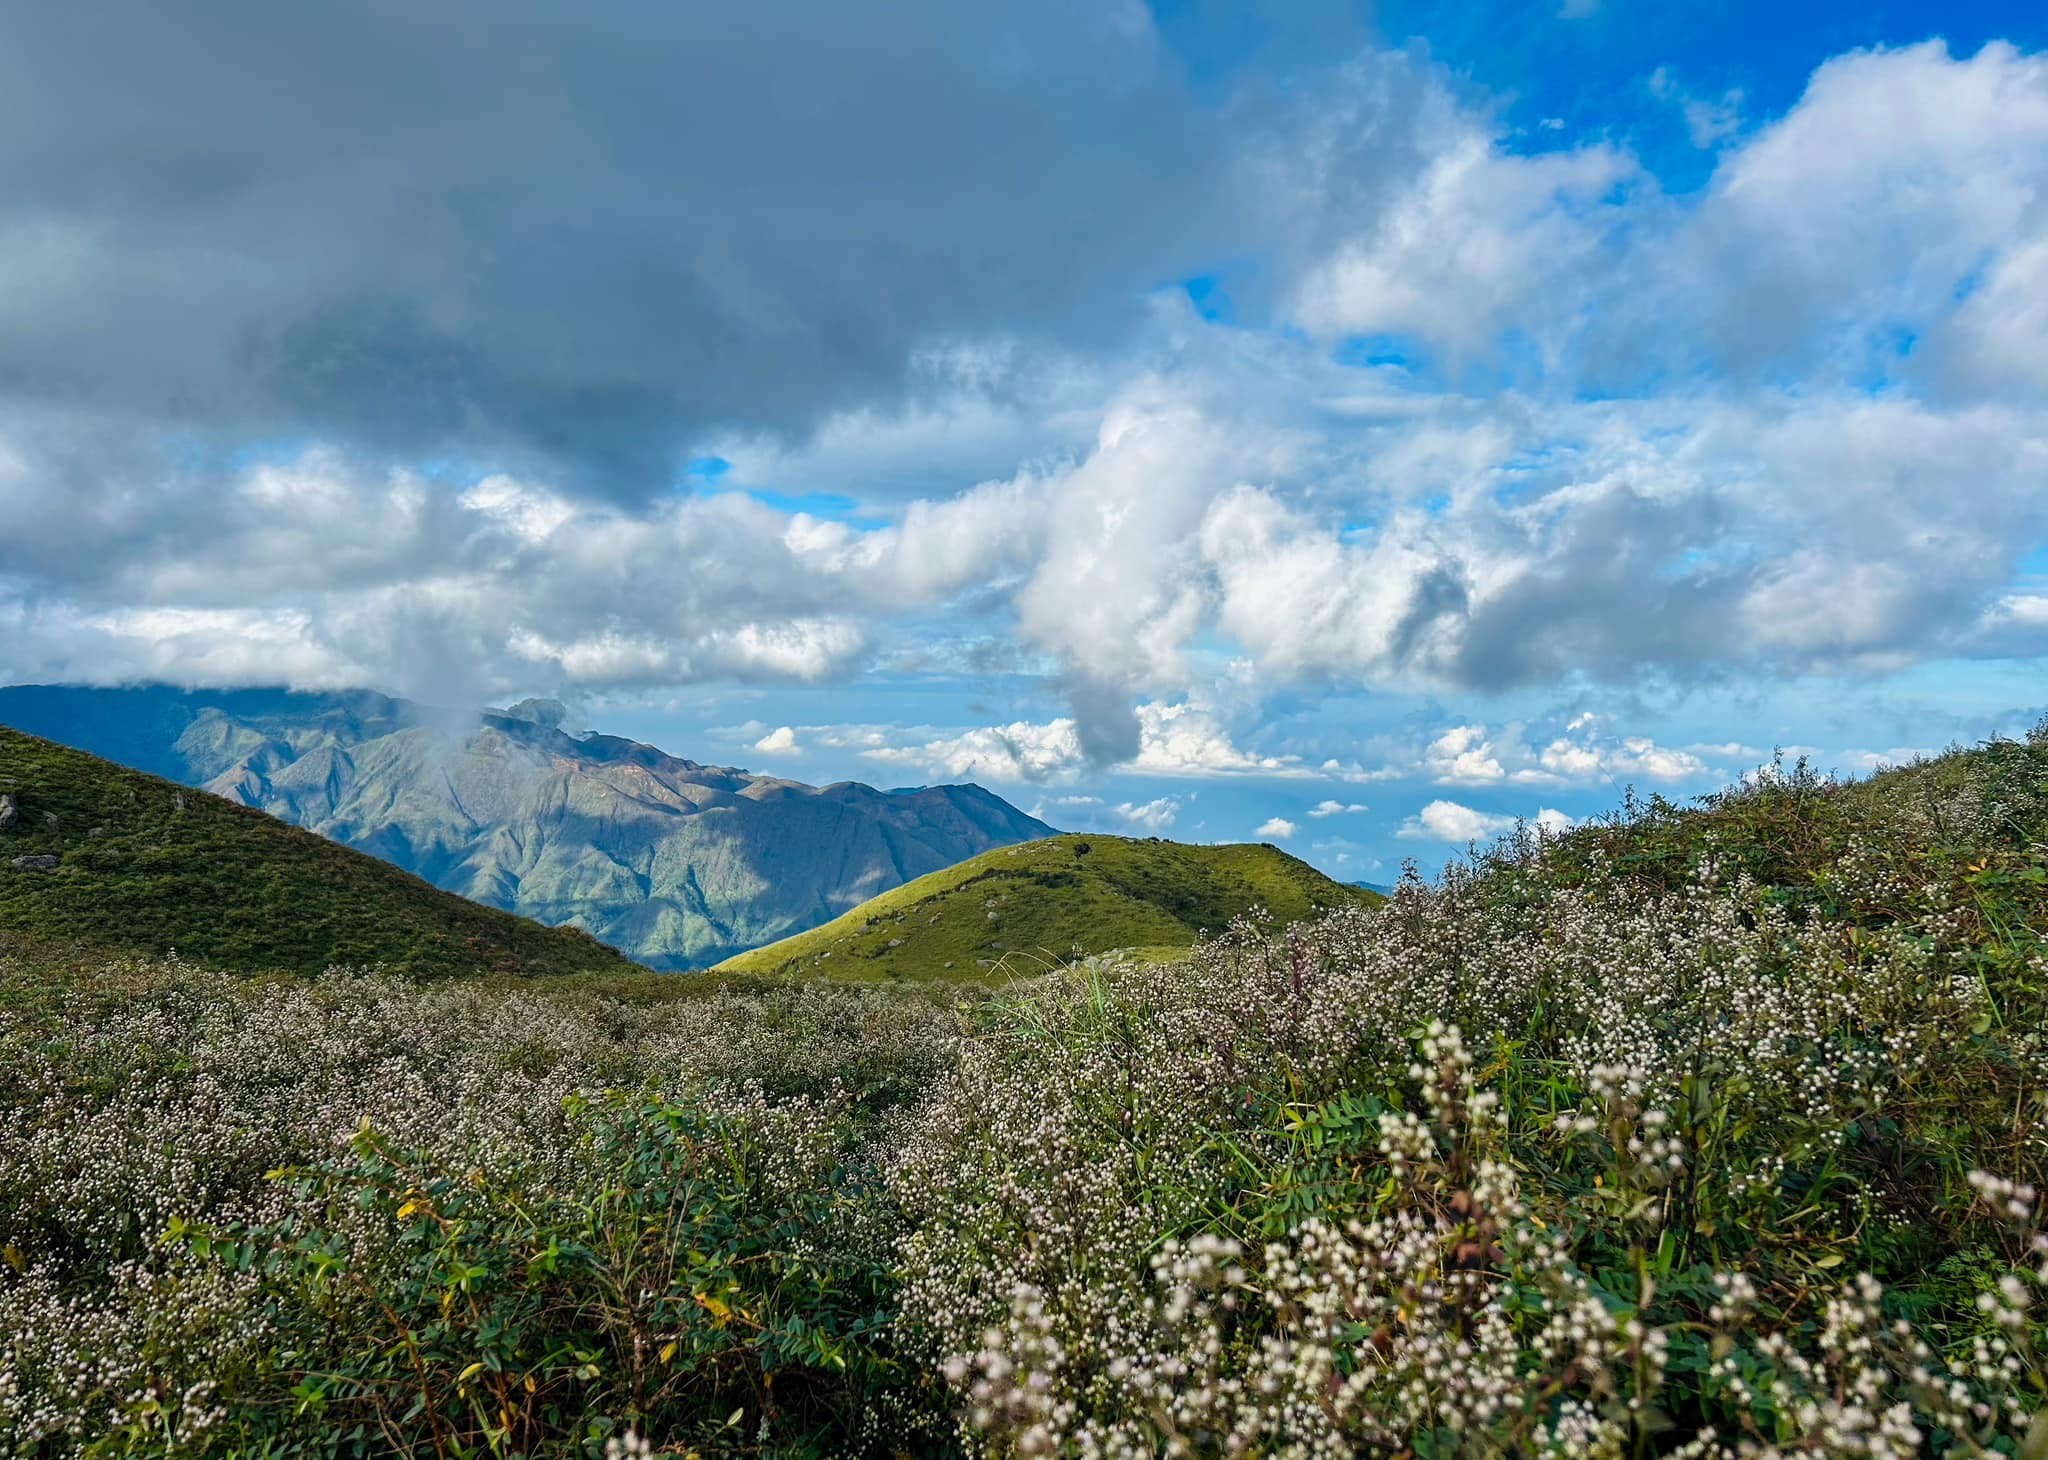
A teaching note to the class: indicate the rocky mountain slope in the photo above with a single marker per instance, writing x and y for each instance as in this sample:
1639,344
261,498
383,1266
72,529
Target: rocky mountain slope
676,863
96,855
1021,909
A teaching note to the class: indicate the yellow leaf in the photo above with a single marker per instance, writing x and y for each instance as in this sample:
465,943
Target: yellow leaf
668,1351
407,1210
14,1257
470,1373
1833,1259
529,1384
715,1308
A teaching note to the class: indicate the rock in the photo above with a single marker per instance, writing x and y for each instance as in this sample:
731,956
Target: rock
42,863
9,812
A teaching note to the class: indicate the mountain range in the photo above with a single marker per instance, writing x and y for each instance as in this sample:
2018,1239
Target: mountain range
676,863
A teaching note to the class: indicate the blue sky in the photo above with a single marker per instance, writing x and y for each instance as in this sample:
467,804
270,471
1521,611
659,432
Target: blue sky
1356,427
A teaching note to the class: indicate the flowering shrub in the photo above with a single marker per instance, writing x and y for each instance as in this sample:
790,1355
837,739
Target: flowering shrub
1717,1131
366,1216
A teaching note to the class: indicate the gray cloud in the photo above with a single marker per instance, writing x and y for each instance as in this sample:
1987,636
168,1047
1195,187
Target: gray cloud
534,231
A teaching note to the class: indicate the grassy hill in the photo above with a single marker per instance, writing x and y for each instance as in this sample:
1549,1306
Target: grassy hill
1018,909
145,865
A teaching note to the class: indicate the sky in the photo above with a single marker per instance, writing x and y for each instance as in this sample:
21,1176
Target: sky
1357,428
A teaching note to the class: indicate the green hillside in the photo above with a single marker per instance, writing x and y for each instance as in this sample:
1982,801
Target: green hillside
1017,909
96,854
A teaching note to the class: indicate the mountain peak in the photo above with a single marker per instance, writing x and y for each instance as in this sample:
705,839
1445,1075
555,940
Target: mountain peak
543,712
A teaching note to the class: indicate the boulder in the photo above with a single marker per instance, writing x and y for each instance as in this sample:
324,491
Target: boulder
41,863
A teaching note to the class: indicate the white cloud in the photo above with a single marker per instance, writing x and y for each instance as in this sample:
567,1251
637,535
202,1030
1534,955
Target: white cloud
1706,121
1587,759
1584,754
779,741
2028,610
1863,762
532,514
1463,756
1151,816
1335,808
1184,740
1276,828
1178,740
1013,753
1448,821
1482,241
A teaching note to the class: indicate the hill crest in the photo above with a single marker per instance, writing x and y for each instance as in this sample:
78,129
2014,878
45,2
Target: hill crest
1019,908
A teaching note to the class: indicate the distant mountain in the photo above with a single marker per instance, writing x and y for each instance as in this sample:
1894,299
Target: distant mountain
1019,909
92,853
676,863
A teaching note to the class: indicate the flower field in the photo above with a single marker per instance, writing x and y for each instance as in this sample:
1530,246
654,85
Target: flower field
1715,1130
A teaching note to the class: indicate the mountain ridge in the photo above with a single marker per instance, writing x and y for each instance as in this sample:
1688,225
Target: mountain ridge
677,862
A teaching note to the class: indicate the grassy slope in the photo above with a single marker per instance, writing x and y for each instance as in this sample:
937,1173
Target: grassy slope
149,866
1019,908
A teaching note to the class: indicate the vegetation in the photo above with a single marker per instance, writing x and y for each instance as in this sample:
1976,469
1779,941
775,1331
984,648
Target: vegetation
1027,908
1710,1131
144,865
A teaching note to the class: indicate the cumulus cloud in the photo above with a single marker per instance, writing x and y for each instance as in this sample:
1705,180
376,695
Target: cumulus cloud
1153,816
1335,808
1179,740
1463,756
1275,828
1448,821
779,741
1583,752
1018,752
